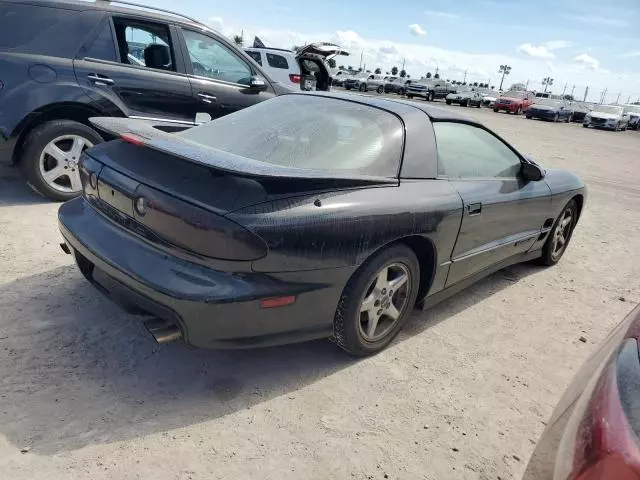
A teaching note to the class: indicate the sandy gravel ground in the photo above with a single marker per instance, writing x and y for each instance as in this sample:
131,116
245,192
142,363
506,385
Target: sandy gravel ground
462,394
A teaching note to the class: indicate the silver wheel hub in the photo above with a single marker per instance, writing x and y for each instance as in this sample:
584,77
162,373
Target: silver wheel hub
384,301
58,162
561,233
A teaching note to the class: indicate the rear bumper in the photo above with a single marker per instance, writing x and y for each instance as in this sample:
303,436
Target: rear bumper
212,308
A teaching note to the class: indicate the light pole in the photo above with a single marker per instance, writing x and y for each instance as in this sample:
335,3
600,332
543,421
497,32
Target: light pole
504,70
547,82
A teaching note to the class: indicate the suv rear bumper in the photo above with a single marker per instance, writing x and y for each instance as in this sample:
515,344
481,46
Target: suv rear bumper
212,309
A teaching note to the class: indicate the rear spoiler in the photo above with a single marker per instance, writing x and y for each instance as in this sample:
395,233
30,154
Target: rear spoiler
143,133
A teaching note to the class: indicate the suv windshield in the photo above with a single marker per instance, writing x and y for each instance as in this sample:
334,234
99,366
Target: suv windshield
309,132
632,108
514,94
609,109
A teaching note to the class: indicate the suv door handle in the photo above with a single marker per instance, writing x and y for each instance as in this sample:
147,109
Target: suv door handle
99,79
206,98
474,208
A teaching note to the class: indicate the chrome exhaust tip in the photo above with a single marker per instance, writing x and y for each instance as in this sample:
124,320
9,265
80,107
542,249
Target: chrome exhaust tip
162,331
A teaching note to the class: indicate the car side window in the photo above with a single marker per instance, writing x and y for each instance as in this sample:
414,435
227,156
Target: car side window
256,56
277,61
211,59
144,44
103,47
468,152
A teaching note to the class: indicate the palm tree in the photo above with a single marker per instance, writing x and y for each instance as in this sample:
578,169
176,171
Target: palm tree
403,73
378,71
475,84
238,40
394,71
428,75
504,70
332,63
437,75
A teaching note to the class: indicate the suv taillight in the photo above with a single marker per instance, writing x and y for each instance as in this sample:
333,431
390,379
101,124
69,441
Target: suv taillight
294,78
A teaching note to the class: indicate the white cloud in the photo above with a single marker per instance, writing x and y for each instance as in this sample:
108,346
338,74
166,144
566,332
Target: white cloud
417,30
598,20
433,13
533,51
557,44
588,61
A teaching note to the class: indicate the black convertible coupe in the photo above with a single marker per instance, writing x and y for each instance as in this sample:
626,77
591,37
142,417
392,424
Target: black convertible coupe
308,216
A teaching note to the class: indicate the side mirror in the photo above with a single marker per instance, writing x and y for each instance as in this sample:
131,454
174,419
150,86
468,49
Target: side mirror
532,171
257,83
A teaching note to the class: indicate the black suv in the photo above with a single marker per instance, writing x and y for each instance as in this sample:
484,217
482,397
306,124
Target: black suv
64,61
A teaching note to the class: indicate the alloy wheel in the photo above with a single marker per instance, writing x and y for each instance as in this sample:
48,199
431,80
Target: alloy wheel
384,301
58,162
561,234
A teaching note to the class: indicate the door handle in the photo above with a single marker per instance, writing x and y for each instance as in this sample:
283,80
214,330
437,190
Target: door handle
474,208
99,79
206,98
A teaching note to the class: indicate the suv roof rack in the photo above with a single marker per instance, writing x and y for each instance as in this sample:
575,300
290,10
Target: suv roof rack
139,5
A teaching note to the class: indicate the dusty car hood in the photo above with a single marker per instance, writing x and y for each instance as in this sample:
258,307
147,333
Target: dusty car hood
544,107
607,116
511,99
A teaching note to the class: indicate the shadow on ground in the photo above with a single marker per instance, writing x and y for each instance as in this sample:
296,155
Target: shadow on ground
15,191
75,370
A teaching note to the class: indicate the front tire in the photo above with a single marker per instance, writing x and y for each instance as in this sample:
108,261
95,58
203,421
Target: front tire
50,158
448,102
363,88
560,235
380,89
377,301
409,96
496,110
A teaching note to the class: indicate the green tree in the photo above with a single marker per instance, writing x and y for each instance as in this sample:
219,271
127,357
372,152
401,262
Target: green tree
403,73
437,75
428,75
394,71
238,40
475,84
332,63
378,71
341,67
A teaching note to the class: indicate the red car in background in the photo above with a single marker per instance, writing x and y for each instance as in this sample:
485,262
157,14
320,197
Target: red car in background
593,434
514,102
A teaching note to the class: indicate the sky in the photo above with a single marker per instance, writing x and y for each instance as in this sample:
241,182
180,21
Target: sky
575,42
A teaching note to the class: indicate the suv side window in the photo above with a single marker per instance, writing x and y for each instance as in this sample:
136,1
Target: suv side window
256,56
103,47
212,59
469,152
277,61
144,44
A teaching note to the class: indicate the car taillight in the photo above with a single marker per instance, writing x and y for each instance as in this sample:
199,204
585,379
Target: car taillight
294,78
599,442
195,229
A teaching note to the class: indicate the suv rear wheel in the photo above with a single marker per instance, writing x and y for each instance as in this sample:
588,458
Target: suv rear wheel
50,158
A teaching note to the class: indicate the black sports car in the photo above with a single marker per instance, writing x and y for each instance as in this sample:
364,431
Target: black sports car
308,216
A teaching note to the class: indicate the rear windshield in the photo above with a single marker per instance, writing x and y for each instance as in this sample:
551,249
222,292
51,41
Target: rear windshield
549,102
309,132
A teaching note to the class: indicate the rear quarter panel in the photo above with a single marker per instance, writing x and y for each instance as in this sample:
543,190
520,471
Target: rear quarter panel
344,228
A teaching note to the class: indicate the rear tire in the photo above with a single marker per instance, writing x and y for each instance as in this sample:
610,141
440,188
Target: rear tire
363,88
448,102
34,161
552,252
380,89
364,331
496,110
409,96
